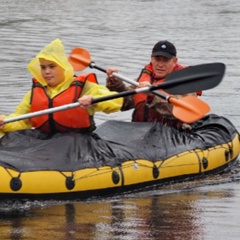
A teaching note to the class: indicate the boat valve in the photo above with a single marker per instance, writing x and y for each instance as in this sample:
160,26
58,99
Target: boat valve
15,184
155,172
205,162
115,177
70,183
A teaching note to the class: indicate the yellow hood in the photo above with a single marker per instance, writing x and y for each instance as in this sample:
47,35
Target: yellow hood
52,52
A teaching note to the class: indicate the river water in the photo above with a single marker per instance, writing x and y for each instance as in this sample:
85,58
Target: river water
122,34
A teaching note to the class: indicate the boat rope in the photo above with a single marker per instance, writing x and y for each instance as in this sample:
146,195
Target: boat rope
96,172
19,173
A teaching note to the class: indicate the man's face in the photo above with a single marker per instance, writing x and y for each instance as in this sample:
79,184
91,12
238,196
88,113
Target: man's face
163,66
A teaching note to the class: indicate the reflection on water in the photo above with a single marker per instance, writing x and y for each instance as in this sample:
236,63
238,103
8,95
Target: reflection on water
179,211
121,34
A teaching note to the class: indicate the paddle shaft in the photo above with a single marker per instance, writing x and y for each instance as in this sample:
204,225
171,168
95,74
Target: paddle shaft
128,80
77,104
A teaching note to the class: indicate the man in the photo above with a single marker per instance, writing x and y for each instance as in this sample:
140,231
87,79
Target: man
149,107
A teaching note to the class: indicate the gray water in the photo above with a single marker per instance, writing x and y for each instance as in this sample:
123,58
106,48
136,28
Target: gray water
121,34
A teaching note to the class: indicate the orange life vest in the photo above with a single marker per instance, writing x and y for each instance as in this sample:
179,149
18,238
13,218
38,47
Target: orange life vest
75,119
148,75
141,112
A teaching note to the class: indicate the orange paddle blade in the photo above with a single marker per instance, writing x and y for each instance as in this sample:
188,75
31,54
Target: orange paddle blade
79,58
189,109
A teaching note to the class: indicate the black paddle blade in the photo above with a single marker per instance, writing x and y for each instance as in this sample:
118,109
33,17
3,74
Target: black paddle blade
194,78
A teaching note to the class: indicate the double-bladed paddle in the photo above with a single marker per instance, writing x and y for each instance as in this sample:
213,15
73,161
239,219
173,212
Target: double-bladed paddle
187,109
191,79
184,109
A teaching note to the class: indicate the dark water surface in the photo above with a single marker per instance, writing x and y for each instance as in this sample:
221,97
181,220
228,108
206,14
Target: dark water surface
121,34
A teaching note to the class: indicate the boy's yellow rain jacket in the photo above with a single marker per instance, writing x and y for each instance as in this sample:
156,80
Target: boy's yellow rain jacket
55,52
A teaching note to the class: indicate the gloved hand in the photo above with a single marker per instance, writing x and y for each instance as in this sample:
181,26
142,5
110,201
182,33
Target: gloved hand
114,83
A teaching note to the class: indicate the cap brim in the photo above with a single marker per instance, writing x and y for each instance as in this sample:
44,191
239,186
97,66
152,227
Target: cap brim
164,54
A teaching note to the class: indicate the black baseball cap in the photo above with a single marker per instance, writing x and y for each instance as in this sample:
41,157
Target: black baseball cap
165,49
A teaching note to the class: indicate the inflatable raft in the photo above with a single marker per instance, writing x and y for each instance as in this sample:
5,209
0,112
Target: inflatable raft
117,157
